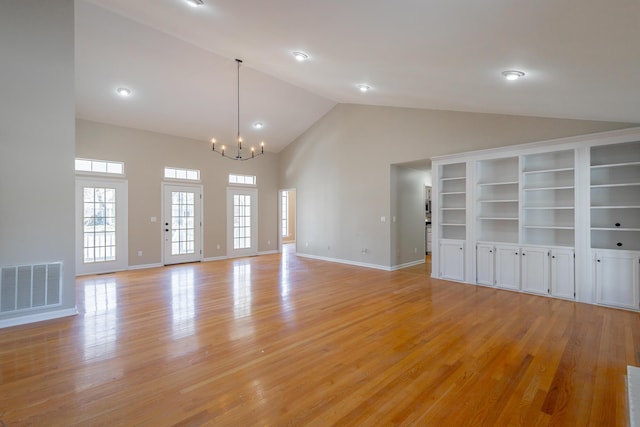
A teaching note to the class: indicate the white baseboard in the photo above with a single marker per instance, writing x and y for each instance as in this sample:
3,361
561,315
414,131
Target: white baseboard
267,252
40,317
344,261
144,266
407,264
215,258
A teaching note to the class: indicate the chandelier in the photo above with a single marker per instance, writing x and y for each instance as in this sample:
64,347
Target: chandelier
238,155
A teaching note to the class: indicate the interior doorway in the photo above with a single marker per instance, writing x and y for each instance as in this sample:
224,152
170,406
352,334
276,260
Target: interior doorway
287,216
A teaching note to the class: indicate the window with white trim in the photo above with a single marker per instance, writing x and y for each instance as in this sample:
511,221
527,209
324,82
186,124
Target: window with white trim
242,179
181,173
99,166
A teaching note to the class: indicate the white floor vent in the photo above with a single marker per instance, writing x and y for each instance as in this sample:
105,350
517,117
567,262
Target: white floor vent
30,286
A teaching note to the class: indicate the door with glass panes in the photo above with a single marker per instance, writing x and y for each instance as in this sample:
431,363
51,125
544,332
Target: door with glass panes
242,222
182,224
101,225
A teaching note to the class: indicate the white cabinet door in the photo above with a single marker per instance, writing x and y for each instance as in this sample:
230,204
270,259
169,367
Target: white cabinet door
562,273
507,267
617,278
485,264
535,270
452,260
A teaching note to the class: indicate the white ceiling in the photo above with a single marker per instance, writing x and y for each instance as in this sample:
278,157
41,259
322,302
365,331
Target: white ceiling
581,59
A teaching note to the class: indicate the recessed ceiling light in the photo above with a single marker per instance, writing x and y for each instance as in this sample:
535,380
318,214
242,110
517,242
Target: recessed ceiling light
300,56
195,3
363,87
512,74
123,91
258,125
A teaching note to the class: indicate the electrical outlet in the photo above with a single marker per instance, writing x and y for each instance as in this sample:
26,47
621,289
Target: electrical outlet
139,253
218,246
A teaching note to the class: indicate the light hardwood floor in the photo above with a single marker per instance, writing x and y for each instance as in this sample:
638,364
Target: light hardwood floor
281,340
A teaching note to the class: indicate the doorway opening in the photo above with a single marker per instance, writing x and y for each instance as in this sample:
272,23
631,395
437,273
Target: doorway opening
287,217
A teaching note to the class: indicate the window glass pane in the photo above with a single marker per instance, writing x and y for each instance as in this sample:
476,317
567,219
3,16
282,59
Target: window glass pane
193,175
116,168
99,166
83,165
181,174
169,173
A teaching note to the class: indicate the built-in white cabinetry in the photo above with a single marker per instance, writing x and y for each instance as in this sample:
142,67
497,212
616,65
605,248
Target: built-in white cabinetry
563,273
559,218
534,267
615,223
617,277
485,264
452,259
507,267
530,269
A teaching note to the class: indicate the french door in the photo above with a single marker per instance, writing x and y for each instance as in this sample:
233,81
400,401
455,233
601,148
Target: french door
242,222
182,223
101,226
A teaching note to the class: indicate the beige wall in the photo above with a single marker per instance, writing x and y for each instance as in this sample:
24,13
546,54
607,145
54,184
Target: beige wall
37,111
145,155
340,167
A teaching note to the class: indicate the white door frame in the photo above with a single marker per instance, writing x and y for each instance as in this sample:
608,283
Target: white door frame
199,234
253,250
122,225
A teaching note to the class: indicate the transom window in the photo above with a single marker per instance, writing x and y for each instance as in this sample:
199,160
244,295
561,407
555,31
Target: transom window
99,166
242,179
180,173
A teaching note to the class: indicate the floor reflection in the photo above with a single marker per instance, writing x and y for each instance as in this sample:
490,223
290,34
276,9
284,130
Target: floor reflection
182,302
101,323
285,284
241,289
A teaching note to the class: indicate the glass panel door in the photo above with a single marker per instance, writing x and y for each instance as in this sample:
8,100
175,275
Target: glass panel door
101,218
242,222
182,226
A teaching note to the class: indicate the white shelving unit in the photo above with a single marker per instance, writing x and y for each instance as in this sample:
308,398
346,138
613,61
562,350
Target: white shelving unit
497,198
615,196
559,217
453,193
548,198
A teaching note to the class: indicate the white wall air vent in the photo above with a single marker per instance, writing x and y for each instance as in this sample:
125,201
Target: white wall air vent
27,287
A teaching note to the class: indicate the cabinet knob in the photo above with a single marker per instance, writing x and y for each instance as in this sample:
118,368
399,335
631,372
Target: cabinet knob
490,252
553,256
598,260
523,254
617,224
619,244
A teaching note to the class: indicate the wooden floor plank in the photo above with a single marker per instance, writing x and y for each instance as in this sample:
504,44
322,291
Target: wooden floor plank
282,340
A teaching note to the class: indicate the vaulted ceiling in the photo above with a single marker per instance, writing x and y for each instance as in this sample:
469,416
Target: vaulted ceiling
581,60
